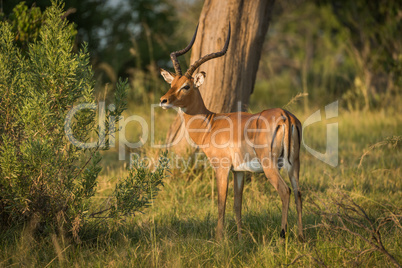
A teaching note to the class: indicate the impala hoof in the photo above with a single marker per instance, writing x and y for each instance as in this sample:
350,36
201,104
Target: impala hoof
283,233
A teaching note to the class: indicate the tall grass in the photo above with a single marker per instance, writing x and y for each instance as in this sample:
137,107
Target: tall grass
178,230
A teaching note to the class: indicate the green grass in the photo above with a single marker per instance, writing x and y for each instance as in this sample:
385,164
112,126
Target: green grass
178,230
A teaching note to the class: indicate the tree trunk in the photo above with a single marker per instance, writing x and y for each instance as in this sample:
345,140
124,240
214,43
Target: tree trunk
229,79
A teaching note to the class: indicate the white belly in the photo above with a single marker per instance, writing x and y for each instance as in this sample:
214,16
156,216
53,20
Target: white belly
253,166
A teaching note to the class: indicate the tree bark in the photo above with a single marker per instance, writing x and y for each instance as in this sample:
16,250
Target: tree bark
229,79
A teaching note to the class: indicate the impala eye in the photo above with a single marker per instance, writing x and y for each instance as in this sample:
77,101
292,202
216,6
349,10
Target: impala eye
187,87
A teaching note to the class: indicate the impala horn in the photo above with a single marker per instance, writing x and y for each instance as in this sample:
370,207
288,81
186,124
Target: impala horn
208,57
174,55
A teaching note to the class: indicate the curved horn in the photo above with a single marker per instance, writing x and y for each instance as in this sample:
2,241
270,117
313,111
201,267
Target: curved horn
175,54
208,57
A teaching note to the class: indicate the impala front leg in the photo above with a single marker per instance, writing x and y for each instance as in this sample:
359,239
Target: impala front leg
222,185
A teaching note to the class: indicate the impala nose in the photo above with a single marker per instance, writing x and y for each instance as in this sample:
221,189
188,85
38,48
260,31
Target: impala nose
163,101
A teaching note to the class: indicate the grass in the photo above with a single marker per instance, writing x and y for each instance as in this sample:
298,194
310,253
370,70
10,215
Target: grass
178,229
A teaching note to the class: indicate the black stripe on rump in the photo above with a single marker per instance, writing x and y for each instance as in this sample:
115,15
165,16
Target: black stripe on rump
283,145
299,136
273,137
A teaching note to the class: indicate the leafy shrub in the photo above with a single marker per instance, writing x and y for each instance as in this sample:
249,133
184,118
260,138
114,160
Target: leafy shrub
136,191
42,174
26,23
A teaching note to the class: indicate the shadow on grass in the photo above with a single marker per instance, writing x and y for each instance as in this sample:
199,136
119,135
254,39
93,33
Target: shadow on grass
258,228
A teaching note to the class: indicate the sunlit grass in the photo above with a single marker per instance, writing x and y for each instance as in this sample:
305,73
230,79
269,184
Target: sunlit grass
179,229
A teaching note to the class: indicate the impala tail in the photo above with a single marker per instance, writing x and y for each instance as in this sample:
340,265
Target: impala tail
286,139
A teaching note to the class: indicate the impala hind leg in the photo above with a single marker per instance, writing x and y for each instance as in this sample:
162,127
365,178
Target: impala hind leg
222,185
294,178
238,196
284,192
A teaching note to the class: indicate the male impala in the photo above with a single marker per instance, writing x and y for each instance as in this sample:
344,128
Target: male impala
237,142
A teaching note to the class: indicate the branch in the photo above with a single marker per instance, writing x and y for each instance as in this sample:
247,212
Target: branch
394,140
349,214
294,100
69,11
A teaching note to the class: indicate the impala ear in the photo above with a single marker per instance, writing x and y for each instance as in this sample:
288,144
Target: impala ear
199,79
168,76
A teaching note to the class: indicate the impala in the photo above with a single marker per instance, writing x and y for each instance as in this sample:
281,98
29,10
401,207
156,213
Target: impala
239,141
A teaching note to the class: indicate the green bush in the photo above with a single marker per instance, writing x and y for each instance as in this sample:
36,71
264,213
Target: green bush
26,23
139,188
44,176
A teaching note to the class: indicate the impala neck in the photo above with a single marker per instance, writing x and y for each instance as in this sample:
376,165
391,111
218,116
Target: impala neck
197,105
